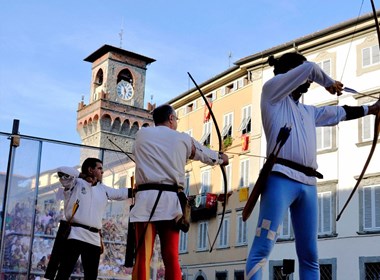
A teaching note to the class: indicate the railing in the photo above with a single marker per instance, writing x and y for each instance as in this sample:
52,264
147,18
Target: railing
32,204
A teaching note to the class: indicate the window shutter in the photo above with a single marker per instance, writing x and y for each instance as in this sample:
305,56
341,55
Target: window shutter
240,230
366,57
320,213
246,171
377,206
367,130
286,225
327,67
327,212
367,208
375,54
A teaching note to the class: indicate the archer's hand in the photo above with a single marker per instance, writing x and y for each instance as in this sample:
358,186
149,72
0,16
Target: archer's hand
225,159
335,88
374,109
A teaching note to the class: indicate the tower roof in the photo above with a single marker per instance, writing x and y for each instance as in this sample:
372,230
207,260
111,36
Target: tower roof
107,48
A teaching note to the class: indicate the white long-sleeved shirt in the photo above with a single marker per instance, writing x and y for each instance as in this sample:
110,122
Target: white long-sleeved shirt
161,154
92,204
278,109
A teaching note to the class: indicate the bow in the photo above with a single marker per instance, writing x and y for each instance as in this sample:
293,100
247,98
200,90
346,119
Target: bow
260,184
130,248
376,129
220,150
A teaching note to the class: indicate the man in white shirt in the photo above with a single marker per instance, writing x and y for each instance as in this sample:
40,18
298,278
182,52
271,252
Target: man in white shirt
292,183
84,239
161,154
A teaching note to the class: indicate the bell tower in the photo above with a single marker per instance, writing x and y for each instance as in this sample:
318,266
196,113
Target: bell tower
115,110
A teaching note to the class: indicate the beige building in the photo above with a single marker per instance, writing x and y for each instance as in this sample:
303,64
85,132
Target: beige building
349,248
234,97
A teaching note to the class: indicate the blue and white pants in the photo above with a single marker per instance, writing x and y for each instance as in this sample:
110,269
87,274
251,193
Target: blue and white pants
280,194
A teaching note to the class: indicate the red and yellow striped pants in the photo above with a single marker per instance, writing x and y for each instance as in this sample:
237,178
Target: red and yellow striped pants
169,238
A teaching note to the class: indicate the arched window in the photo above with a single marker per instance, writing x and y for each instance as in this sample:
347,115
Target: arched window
125,75
99,77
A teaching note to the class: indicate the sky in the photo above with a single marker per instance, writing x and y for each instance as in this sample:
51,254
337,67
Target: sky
43,43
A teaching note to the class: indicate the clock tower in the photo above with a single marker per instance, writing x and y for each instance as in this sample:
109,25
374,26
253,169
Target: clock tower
115,110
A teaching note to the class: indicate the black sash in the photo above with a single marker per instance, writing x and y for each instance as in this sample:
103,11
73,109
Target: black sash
308,171
92,229
158,187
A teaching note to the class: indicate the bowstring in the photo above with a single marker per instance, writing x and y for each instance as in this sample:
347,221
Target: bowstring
352,39
341,79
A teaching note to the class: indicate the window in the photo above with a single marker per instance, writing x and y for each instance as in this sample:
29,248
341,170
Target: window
325,271
221,275
206,138
123,182
324,212
244,173
202,236
245,126
231,87
372,270
276,271
369,267
370,56
327,268
367,127
224,233
366,124
205,181
327,208
210,97
228,169
239,275
371,208
242,82
286,229
227,128
324,138
187,183
325,66
223,91
205,185
241,230
183,238
367,53
97,85
190,107
99,77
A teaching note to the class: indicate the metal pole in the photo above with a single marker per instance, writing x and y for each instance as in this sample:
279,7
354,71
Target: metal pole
14,143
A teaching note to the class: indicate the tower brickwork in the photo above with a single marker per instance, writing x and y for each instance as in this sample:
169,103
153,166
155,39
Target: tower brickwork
115,109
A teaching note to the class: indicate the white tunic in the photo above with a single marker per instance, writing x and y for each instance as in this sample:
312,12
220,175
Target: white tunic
279,109
92,204
161,154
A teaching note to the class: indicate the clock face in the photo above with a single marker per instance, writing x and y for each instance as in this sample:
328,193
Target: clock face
124,90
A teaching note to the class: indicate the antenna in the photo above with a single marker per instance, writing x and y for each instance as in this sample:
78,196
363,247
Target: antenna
229,59
121,33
